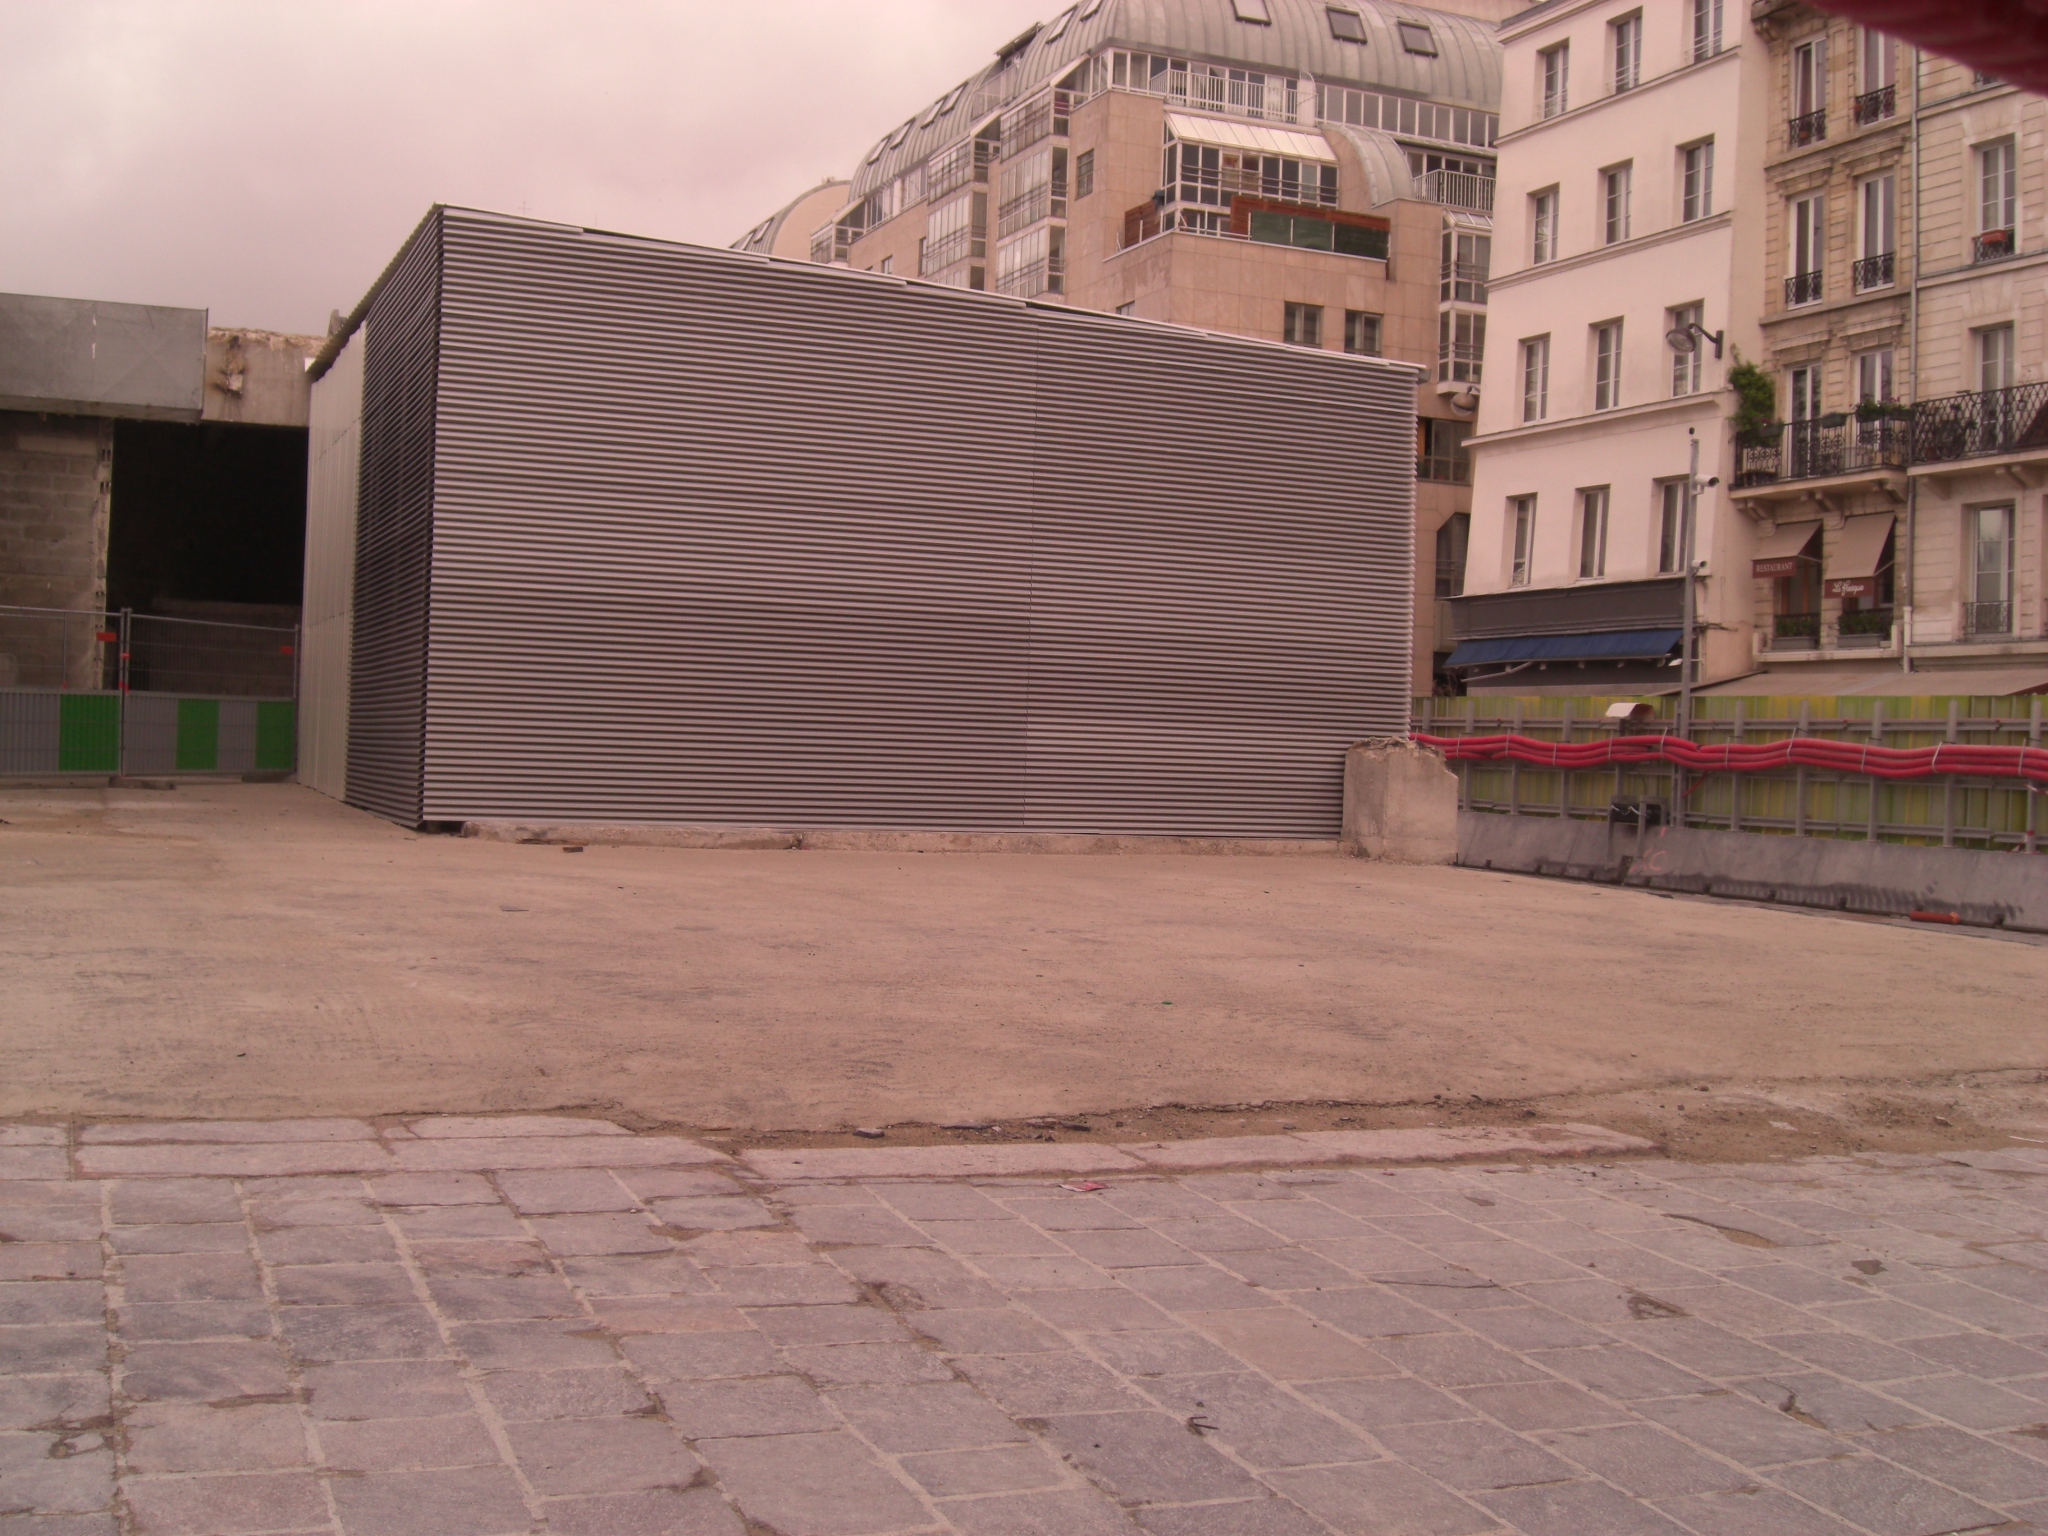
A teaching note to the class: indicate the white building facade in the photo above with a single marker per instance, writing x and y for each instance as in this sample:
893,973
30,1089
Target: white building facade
1629,207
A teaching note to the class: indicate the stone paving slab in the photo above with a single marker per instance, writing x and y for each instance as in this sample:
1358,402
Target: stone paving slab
591,1333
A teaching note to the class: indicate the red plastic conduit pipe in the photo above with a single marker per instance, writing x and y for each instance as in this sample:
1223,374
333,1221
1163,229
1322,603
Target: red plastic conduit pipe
2029,763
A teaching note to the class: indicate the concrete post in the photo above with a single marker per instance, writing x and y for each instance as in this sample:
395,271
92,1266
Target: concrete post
1400,804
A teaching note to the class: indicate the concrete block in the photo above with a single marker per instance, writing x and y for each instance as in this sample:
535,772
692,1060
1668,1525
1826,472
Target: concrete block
1400,804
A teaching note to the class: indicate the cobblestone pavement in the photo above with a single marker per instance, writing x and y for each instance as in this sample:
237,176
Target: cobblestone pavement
478,1328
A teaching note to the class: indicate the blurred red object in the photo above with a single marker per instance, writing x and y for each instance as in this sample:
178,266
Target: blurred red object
2004,38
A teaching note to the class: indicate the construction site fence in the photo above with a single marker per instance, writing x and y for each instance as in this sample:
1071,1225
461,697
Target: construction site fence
95,691
1947,810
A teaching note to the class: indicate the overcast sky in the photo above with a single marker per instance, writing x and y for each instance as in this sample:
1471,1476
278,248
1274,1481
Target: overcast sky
264,158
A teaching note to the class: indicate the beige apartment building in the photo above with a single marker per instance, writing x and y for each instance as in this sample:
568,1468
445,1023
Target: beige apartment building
1311,173
1898,491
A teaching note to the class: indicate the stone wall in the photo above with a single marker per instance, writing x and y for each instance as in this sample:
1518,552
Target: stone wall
55,473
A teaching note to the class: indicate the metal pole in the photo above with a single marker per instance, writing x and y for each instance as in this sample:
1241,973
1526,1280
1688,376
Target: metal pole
1735,779
1685,539
2033,795
1948,787
1564,777
1905,619
1871,781
1799,809
121,702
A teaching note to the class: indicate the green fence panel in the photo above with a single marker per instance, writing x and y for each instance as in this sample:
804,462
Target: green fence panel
88,733
198,735
277,734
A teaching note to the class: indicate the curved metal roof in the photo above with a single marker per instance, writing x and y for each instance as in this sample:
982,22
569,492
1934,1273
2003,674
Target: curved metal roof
762,237
1384,161
1465,72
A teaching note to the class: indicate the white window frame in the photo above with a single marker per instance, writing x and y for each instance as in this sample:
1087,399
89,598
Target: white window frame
1874,375
1696,181
1543,226
1607,365
1993,346
1809,82
1593,504
1997,185
1617,191
1521,539
1670,527
1536,379
1877,214
1876,61
1555,79
2000,575
1253,11
1686,367
1806,245
1706,29
1625,37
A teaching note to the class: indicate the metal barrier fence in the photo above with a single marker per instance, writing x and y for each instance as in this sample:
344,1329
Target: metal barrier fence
1946,810
86,691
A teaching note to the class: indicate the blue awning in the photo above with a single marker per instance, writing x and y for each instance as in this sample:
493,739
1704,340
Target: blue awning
1623,645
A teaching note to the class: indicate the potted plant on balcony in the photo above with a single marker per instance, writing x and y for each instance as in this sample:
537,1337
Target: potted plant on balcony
1883,410
1756,403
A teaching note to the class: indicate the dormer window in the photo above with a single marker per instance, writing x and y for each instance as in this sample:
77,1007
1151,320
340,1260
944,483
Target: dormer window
1252,11
1417,38
1346,26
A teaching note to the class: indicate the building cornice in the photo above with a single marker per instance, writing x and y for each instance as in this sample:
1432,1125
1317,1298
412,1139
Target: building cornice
1977,269
1895,293
1722,220
1734,50
1706,403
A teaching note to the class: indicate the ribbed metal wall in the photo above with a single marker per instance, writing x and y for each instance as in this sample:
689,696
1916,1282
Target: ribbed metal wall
731,541
394,533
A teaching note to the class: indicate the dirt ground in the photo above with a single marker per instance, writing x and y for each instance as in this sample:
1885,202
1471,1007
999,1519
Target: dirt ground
254,950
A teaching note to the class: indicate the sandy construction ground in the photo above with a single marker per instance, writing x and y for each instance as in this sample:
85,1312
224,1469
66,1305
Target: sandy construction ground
258,950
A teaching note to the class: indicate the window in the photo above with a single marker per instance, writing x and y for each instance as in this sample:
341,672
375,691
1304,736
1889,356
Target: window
1997,186
1468,262
1875,61
1994,357
1453,537
1303,325
1209,175
1128,310
1557,68
1417,38
1440,452
1874,375
1685,366
1346,26
1607,366
1810,83
1543,226
1803,393
1460,346
1706,29
1252,10
1522,517
1593,533
888,264
1805,451
1876,207
1670,526
1627,36
1696,166
1990,607
1084,173
1536,378
1617,183
1805,249
1361,333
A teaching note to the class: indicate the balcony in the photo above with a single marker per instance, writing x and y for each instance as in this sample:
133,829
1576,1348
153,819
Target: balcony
1809,128
1873,272
1875,106
1802,288
1994,421
1994,245
1045,275
1464,282
1985,621
970,242
1045,115
1046,200
966,165
1864,628
1458,363
1457,189
1830,445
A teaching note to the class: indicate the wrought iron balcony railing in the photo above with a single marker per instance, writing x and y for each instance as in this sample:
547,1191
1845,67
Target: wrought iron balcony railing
1808,128
1987,421
1875,106
1987,619
1813,450
1874,271
1802,288
1994,245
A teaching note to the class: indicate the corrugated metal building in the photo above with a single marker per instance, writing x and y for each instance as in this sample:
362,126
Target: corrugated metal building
646,532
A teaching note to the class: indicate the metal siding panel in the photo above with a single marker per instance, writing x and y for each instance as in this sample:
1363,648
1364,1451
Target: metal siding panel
236,748
149,733
394,534
29,732
756,552
721,540
333,460
1220,595
96,358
